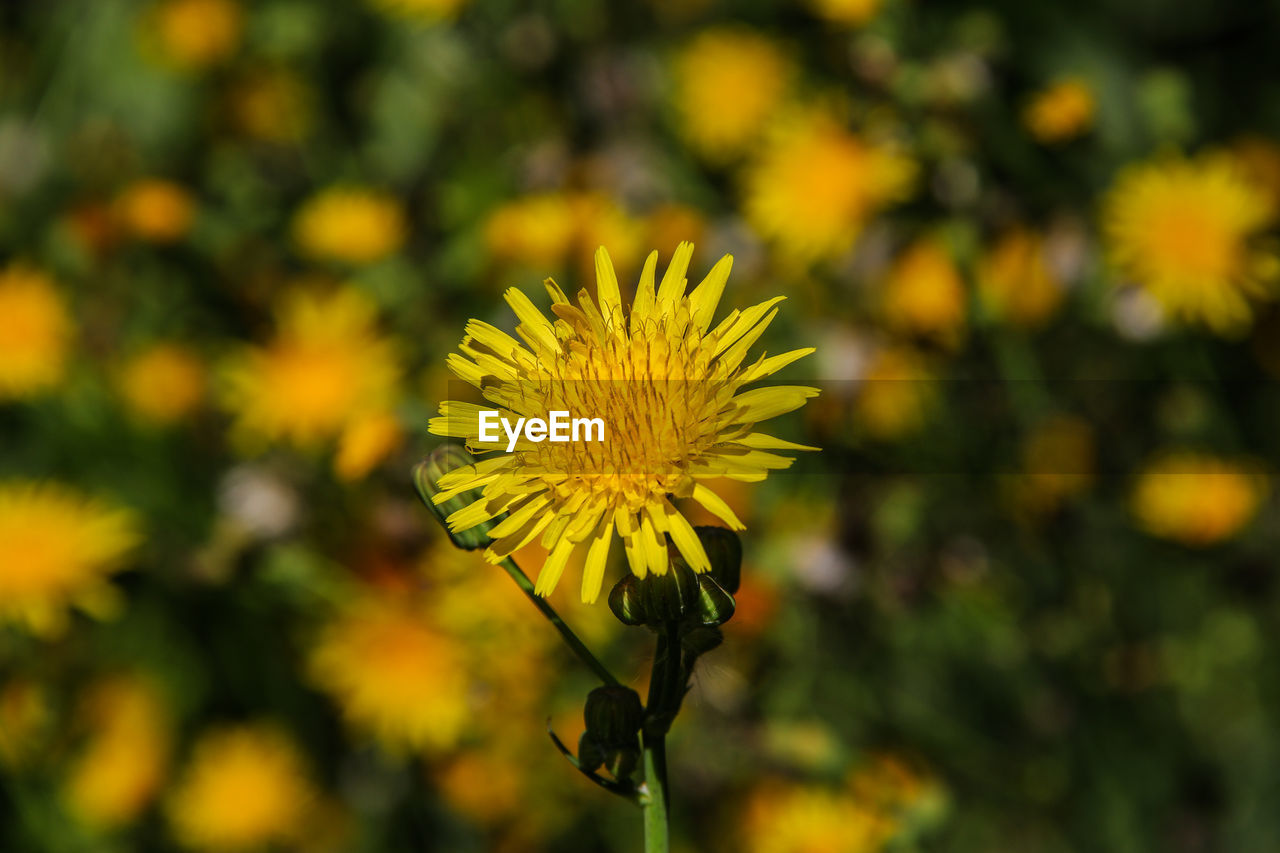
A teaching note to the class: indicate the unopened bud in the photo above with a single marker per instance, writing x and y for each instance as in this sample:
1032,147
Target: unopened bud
613,715
625,601
426,478
724,549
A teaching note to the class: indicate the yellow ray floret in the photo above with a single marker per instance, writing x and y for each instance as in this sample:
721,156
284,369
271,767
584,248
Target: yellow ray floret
671,391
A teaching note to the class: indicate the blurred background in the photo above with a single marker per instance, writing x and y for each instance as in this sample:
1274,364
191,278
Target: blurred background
1021,601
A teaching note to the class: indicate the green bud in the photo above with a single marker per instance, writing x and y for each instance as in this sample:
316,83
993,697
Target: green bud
625,601
724,549
590,753
613,715
426,478
671,596
715,606
622,761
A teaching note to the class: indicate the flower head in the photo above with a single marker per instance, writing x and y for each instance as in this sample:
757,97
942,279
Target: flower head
273,104
326,367
428,11
815,185
163,383
849,12
728,83
1196,499
1181,229
194,34
244,788
155,211
1060,112
796,818
924,295
393,674
1016,285
351,225
35,333
671,391
56,549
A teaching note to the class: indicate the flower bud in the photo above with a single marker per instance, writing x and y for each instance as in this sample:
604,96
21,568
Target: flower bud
625,601
724,549
613,715
671,596
701,640
426,478
715,606
590,752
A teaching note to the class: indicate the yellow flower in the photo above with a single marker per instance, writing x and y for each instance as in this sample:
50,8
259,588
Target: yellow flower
669,389
1181,230
924,295
394,675
274,105
155,211
895,395
56,549
727,85
124,762
1057,464
668,225
352,225
792,818
1061,111
35,333
326,368
194,34
244,788
1196,499
163,383
1015,283
421,10
851,12
25,717
535,231
815,186
365,442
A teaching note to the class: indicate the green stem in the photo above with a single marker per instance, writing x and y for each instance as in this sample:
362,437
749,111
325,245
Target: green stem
666,692
571,639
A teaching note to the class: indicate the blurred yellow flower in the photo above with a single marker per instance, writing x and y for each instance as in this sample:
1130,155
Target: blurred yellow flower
896,393
121,768
244,788
924,295
1057,464
56,549
421,10
274,105
194,34
668,387
1259,160
815,185
535,231
394,675
155,211
668,225
727,85
365,442
326,368
601,221
795,818
1181,229
1015,282
1197,499
1061,111
850,12
163,384
35,333
352,225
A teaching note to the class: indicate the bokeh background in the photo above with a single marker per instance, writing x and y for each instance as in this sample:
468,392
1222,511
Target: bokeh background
1023,600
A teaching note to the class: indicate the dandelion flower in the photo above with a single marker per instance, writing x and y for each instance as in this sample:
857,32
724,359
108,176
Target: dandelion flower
924,295
244,788
163,384
56,549
1181,230
852,13
35,333
123,764
26,716
896,394
195,34
671,389
536,230
326,367
155,211
1057,464
815,185
727,85
351,225
1196,499
1016,285
795,818
1060,112
274,105
365,442
393,674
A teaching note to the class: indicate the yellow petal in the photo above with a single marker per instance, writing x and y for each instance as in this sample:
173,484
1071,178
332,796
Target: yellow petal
597,559
553,567
717,507
706,296
607,289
